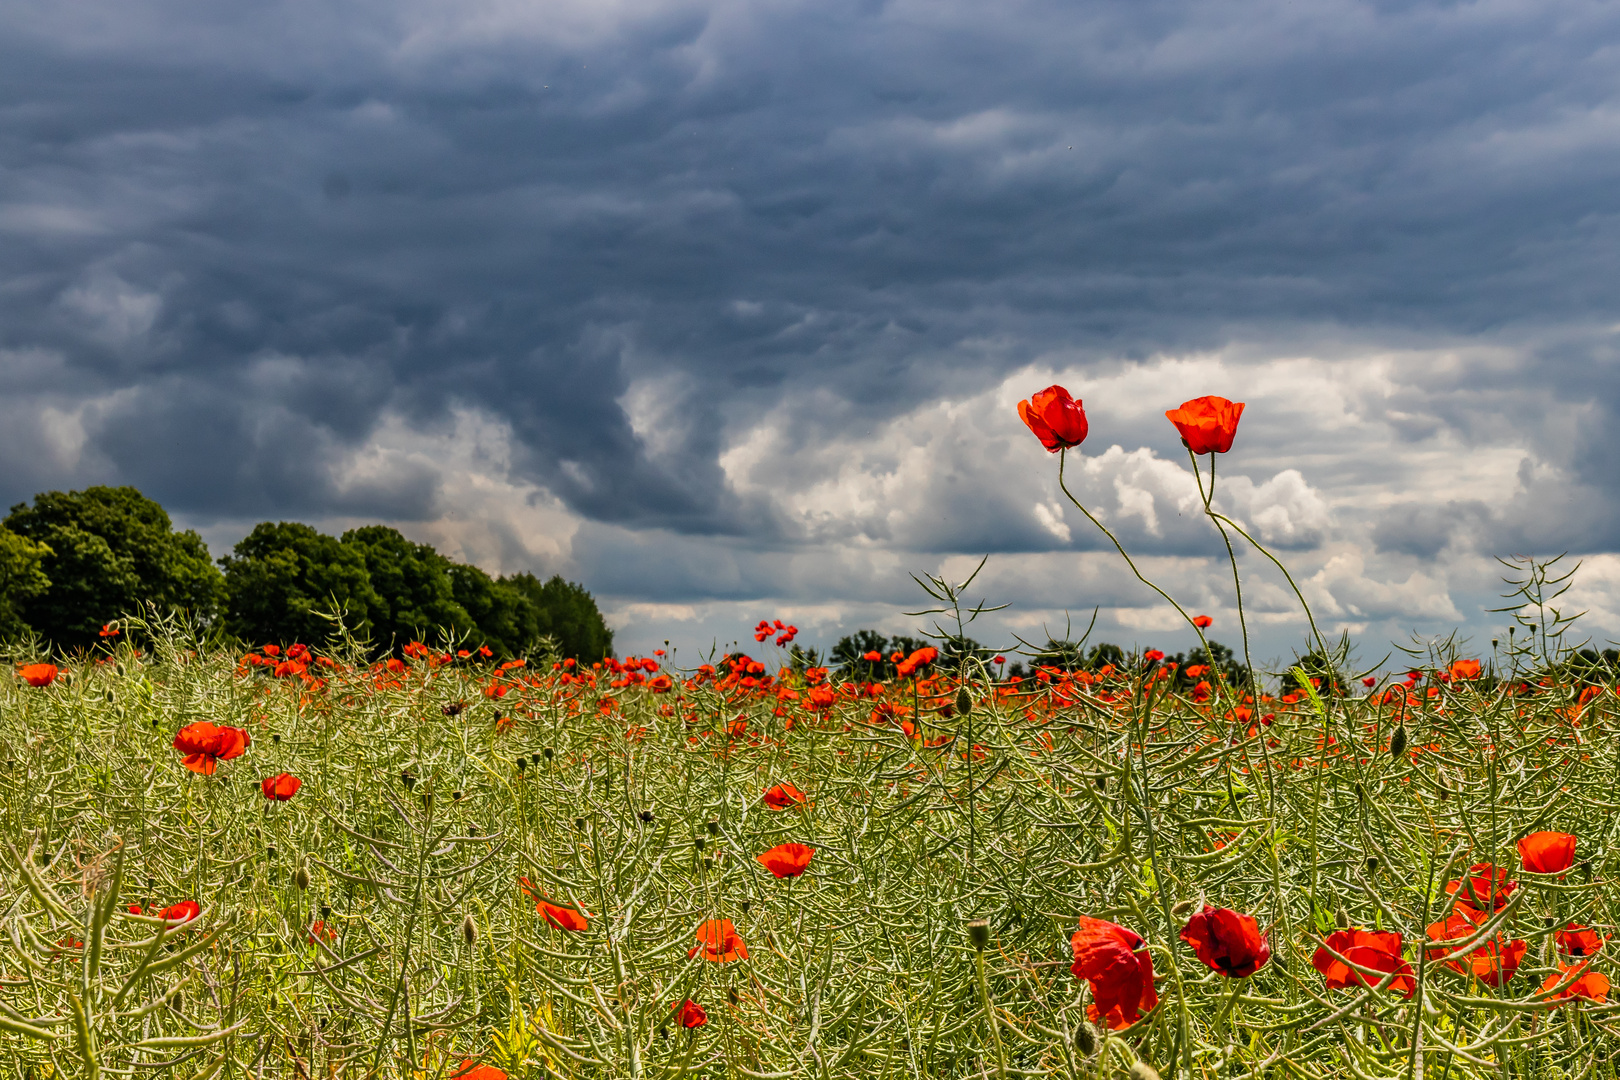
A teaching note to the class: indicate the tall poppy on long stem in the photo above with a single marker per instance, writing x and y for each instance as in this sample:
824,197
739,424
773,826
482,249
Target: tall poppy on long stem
205,745
1547,852
1116,963
1207,424
1058,420
1228,942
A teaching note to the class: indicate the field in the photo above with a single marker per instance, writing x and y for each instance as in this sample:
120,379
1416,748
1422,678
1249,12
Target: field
386,919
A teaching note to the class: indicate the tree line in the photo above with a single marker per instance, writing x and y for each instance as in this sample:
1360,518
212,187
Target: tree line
73,562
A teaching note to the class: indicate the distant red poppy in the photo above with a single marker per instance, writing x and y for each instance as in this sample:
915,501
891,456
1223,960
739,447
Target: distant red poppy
717,941
1203,622
281,786
1492,962
1371,949
1463,669
1116,963
1578,941
872,657
783,796
205,745
1058,420
1573,981
181,913
1369,680
1547,852
1476,891
1207,424
786,860
922,657
1228,942
38,674
471,1070
690,1013
320,930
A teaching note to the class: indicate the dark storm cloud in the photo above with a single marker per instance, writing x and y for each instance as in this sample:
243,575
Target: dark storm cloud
250,236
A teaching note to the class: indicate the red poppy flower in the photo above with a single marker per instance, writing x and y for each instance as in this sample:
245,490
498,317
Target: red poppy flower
471,1070
1492,962
1058,420
1573,981
181,913
1463,669
205,745
783,796
280,787
1203,622
1116,963
1365,949
786,860
1547,852
38,674
1477,889
1207,424
717,941
1578,941
872,656
1230,943
689,1013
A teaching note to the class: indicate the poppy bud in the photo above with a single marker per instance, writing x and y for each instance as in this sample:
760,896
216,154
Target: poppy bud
469,931
663,1032
1085,1039
1397,741
1102,784
1341,919
1182,907
109,697
964,701
714,828
700,841
978,932
176,999
1143,1071
731,994
301,878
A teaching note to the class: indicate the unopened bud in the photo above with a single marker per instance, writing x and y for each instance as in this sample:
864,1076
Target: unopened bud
731,995
1183,907
301,878
176,999
469,931
1341,919
1397,741
1085,1039
964,701
1143,1071
978,932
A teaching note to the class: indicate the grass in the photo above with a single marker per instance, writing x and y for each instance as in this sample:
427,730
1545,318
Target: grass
1048,800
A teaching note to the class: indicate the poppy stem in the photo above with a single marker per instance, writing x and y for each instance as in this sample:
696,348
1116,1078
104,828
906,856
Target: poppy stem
990,1013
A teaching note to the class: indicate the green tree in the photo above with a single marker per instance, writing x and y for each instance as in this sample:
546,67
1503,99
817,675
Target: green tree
849,653
112,551
21,579
283,578
508,621
568,613
413,583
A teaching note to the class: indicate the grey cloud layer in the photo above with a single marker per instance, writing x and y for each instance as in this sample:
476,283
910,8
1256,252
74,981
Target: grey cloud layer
235,244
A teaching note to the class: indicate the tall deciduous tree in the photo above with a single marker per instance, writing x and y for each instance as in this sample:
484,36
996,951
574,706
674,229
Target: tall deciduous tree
413,583
284,581
21,579
112,550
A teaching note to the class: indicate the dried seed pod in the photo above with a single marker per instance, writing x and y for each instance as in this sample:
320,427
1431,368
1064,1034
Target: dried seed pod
547,753
1085,1039
700,841
455,796
978,931
1397,741
579,823
1372,863
407,779
469,931
1341,919
745,906
714,828
964,701
270,852
646,817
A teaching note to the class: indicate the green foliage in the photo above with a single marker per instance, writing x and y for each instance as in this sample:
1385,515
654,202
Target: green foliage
21,579
566,612
412,582
848,655
111,552
1221,663
284,579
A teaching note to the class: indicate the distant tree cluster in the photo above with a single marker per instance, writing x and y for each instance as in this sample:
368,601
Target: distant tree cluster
74,561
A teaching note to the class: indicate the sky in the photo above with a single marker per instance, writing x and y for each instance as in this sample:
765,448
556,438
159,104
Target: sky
724,308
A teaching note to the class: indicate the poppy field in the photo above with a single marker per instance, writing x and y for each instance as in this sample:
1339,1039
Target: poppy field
297,862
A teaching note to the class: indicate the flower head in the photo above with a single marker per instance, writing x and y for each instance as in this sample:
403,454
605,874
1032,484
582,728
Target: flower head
280,787
206,745
181,913
563,918
1203,622
1116,963
717,941
1547,852
1207,424
690,1013
786,860
1493,962
1477,890
1058,420
783,796
471,1070
38,674
1228,942
1346,951
1573,981
1578,941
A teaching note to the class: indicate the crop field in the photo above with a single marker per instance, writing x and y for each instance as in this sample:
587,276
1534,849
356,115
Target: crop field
441,866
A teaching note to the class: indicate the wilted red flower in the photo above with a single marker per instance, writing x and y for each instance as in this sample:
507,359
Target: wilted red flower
281,786
1578,941
1207,424
38,674
181,913
471,1070
1230,943
1476,891
1116,963
1547,852
786,860
1203,622
1492,962
690,1013
1573,981
1058,420
1371,949
783,796
205,745
718,942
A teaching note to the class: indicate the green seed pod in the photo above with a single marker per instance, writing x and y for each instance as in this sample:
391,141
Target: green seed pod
714,828
1143,1071
1397,741
978,931
1183,907
301,878
700,841
469,931
1085,1039
1341,919
964,701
